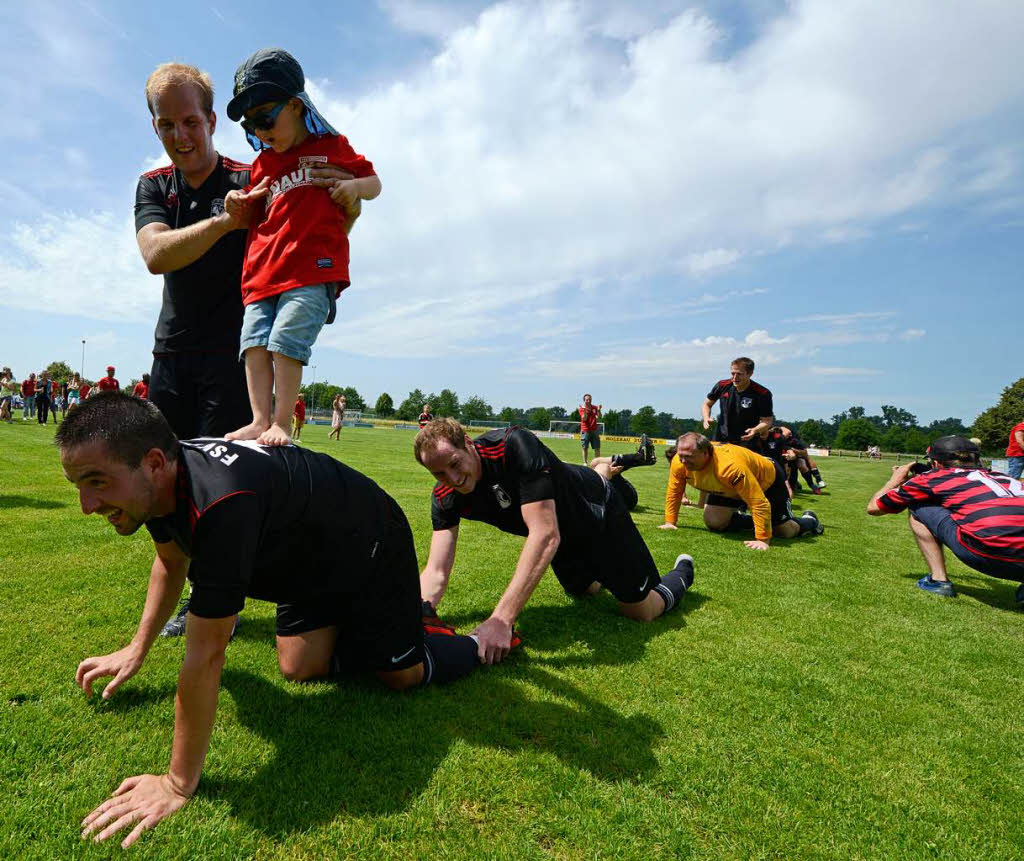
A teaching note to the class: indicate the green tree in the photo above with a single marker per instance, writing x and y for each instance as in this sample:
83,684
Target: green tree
477,409
814,432
60,371
894,417
665,424
409,409
645,421
946,427
514,415
857,434
558,413
445,405
385,406
611,419
538,418
993,426
916,441
894,439
856,412
353,400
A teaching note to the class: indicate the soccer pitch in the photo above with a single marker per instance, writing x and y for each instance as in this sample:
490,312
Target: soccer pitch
807,702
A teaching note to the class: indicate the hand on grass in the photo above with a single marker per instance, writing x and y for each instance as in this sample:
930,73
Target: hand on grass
757,545
495,638
142,801
122,665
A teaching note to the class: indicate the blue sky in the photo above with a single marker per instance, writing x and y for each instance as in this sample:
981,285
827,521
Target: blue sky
591,196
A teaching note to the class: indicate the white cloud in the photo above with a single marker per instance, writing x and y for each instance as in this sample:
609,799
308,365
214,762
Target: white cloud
821,371
912,334
552,144
843,319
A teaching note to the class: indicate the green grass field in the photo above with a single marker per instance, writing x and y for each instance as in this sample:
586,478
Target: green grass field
806,703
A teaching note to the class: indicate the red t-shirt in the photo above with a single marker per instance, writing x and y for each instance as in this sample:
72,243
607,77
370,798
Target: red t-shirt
141,390
588,418
1014,450
28,388
108,384
300,410
83,391
301,239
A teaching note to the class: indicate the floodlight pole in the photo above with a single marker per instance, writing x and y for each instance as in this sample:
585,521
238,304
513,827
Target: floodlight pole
82,374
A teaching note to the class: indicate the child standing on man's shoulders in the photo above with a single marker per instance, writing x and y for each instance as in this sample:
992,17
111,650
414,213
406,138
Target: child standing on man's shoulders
296,260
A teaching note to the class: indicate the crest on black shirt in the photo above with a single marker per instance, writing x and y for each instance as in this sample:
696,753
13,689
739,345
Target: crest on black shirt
504,500
216,206
746,403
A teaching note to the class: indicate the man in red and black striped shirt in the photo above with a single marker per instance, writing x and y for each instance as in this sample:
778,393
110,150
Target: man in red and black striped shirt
977,514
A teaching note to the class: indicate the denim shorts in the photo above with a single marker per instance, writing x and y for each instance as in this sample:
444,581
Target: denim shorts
941,525
289,322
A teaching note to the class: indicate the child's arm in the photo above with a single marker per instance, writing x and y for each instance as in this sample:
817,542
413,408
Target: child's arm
347,192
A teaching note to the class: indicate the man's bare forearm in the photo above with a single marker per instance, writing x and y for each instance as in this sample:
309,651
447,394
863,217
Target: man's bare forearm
537,553
173,249
195,707
166,581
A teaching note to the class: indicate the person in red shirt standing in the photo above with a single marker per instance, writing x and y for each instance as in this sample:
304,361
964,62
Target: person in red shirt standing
28,395
298,416
141,389
589,414
109,383
83,391
296,260
955,502
1015,451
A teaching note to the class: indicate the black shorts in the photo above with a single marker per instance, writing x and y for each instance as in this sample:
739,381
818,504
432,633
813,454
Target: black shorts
616,557
200,394
380,626
776,494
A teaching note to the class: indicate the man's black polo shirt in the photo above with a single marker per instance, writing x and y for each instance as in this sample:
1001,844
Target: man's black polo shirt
202,303
279,524
518,468
739,411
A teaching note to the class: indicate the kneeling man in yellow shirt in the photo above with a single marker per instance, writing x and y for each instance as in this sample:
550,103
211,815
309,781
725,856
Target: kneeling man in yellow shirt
731,476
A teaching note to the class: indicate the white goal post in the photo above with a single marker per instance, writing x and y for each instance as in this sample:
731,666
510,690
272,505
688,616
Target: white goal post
570,429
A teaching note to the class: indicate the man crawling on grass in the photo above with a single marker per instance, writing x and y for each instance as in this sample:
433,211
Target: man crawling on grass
242,520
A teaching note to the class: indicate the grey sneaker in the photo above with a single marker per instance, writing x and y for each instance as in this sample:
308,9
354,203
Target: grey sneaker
942,588
175,626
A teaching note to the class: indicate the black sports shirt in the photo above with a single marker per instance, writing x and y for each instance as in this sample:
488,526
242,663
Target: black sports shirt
280,524
202,303
739,411
518,468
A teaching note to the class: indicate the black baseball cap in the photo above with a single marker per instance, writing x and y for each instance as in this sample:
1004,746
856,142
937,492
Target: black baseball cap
947,448
271,75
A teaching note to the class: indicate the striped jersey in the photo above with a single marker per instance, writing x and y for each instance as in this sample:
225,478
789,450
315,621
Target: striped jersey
987,507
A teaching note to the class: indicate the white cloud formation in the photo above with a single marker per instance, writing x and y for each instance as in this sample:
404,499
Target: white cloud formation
912,334
825,371
549,145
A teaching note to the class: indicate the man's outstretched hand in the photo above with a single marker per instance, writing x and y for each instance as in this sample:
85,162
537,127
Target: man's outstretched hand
142,801
122,665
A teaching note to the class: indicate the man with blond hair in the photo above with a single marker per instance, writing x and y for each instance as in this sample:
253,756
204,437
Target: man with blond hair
185,235
574,518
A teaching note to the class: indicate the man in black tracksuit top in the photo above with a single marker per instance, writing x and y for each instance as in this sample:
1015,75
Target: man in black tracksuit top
745,408
240,520
574,518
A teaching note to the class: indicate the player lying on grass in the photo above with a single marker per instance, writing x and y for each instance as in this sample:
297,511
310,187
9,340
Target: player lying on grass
957,503
282,524
575,519
732,476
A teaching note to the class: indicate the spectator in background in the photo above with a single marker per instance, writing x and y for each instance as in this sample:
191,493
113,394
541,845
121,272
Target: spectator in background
589,414
74,387
28,397
426,416
337,417
63,399
84,390
141,389
8,387
298,416
1015,451
109,383
44,390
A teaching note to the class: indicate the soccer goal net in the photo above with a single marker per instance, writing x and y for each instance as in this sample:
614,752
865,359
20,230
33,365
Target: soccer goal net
570,428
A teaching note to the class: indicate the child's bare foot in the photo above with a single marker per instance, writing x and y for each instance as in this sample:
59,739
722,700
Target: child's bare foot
274,435
250,431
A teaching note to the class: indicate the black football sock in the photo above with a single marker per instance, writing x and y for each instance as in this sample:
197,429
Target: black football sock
447,657
673,585
808,524
628,461
816,474
740,522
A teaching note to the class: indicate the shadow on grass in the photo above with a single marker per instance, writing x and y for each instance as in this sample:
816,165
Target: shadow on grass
17,501
130,697
355,749
994,591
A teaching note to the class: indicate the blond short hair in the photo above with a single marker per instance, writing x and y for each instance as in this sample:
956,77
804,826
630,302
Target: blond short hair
436,431
168,75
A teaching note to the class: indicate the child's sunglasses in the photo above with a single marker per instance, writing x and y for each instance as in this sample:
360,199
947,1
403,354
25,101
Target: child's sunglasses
263,122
